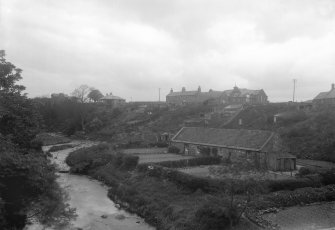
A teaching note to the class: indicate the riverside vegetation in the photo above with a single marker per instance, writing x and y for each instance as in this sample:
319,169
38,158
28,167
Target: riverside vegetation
169,199
28,187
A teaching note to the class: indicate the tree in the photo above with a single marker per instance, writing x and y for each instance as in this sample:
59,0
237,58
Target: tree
95,95
28,184
20,120
9,75
81,93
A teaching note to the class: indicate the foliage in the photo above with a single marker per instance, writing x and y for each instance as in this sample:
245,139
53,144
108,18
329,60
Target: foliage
291,184
28,184
313,138
29,188
95,95
190,162
81,93
64,113
48,139
303,171
90,159
173,149
328,177
215,217
19,121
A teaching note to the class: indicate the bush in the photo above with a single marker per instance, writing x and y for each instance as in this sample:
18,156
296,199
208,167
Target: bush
129,162
211,216
303,171
94,157
173,149
290,184
190,162
328,177
162,144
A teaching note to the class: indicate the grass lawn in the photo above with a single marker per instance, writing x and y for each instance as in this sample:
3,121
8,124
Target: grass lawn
315,216
142,151
153,158
219,172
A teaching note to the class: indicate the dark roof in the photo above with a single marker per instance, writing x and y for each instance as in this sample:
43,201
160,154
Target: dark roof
326,95
111,97
253,140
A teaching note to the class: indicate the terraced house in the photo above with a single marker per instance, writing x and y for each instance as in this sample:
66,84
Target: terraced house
233,96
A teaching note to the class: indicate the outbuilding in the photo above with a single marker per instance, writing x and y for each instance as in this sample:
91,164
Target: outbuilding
264,148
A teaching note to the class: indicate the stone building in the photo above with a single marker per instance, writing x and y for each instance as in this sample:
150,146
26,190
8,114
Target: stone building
234,96
326,98
112,100
263,148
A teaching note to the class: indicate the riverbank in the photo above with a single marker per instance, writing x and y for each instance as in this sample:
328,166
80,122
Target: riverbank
88,196
162,202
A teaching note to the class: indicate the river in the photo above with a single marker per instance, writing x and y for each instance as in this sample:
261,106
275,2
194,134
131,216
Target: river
95,211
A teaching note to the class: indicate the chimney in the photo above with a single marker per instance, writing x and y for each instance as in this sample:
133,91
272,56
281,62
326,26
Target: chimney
183,89
171,91
199,89
333,86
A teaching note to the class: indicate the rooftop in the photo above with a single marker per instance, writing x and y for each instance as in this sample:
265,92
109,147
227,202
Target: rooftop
111,97
326,95
253,140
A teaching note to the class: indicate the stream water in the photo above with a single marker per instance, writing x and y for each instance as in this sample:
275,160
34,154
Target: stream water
95,211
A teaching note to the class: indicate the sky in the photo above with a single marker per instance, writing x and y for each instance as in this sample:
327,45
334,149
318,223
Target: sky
134,47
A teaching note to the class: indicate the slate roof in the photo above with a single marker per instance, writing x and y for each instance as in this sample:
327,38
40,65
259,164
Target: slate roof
111,97
326,95
254,140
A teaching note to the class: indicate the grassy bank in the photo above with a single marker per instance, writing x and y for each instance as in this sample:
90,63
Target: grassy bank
161,202
169,199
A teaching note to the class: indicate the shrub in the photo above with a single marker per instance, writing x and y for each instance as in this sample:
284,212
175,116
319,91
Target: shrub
94,157
211,216
290,184
328,177
190,162
303,171
162,144
173,149
129,162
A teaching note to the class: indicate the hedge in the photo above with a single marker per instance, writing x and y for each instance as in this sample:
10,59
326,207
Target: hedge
93,157
190,162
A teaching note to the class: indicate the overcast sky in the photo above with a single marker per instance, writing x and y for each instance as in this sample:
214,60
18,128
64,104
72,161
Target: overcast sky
133,47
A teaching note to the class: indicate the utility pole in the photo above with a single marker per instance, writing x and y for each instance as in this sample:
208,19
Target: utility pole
294,83
159,94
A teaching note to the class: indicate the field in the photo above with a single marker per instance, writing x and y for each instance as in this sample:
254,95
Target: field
220,172
153,158
316,165
315,216
143,151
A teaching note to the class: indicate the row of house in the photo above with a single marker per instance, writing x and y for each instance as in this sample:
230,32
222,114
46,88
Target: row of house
233,96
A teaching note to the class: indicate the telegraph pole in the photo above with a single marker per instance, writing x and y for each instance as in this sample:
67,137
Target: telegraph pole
294,83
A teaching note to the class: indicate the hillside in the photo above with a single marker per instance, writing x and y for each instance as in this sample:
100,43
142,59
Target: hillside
308,134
